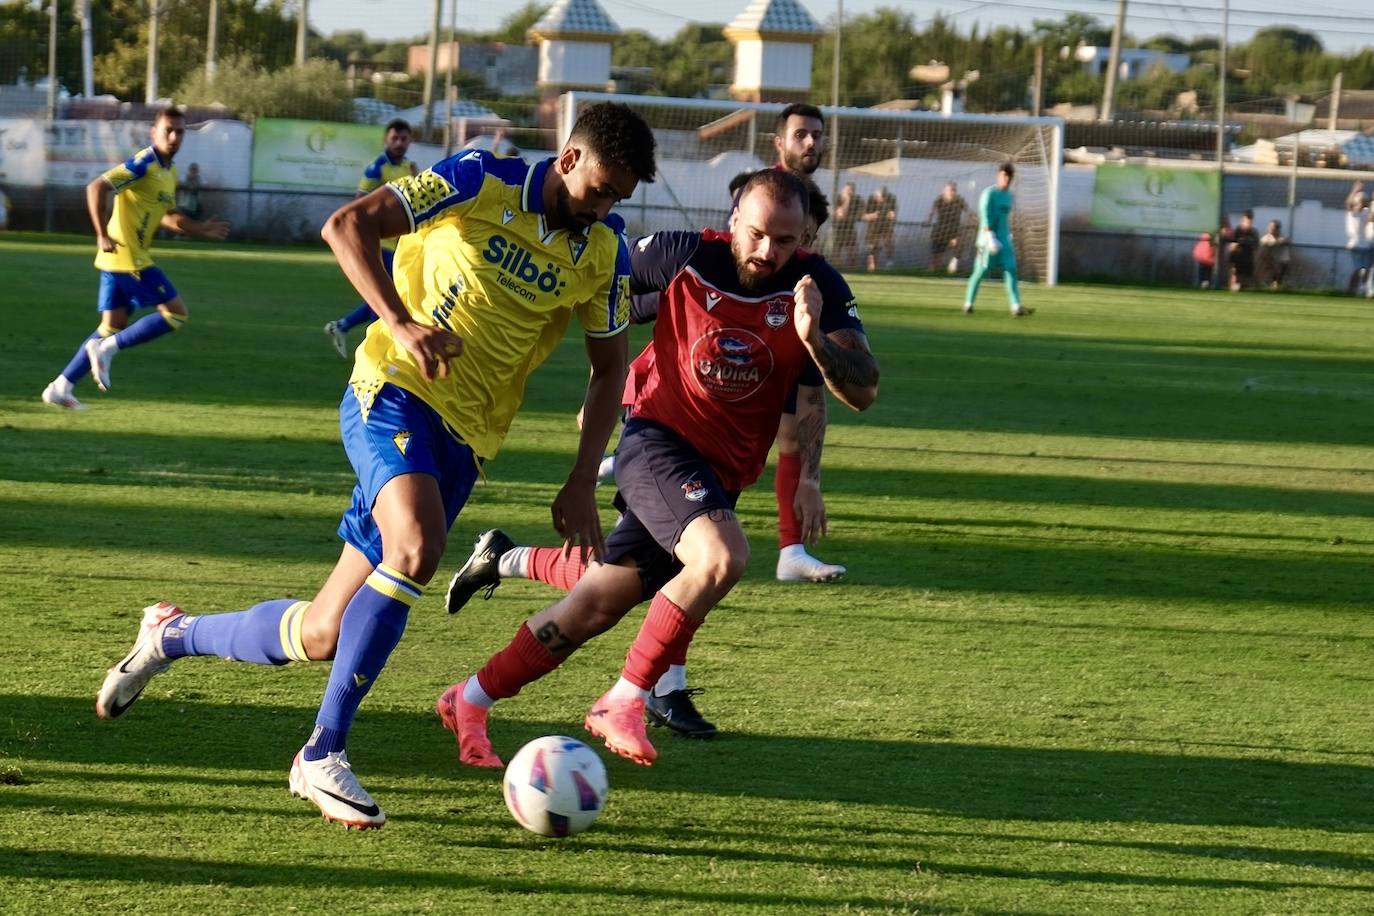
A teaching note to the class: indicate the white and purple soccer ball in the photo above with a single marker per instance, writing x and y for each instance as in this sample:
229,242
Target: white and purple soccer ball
555,786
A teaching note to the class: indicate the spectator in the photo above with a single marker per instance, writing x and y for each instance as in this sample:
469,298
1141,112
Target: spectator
1359,238
1221,270
881,216
4,210
1244,243
188,192
946,218
1274,254
1205,255
844,222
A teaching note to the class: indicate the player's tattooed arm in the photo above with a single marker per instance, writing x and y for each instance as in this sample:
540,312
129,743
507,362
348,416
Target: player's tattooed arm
845,361
808,504
848,366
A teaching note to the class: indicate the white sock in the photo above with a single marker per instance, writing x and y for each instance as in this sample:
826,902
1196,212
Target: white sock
793,552
624,690
62,385
514,564
474,694
108,344
675,678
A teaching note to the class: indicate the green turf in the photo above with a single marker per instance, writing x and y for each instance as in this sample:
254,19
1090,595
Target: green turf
1104,647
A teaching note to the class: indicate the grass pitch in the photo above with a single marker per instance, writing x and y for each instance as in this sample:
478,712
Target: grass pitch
1104,645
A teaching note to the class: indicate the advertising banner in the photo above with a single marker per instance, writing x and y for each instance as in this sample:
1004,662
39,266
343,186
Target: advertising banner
1149,198
21,152
312,154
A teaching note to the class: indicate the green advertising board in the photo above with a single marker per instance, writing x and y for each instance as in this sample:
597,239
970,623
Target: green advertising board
312,154
1151,198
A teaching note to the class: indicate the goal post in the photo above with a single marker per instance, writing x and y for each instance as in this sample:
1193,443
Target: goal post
703,143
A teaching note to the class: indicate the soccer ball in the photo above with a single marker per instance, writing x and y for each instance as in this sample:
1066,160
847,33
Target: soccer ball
555,786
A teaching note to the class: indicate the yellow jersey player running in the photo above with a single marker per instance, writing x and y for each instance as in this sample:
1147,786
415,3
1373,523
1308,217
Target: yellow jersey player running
496,257
389,166
144,191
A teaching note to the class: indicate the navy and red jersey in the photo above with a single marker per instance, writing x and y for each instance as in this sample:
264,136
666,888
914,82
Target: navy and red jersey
724,359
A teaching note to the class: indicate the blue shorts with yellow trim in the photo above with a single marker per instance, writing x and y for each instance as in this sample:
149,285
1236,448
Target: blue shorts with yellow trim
139,289
392,433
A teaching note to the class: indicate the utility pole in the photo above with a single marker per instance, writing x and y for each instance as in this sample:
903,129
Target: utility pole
52,62
212,43
82,9
834,130
150,87
1113,64
1038,81
302,26
448,78
1220,275
1335,100
433,65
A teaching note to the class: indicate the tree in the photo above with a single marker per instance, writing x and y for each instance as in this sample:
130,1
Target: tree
317,91
513,28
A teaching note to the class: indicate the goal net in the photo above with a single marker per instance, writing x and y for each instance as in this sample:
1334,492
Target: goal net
703,143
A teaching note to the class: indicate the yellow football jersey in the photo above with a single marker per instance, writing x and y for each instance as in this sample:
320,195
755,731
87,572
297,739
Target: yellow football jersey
480,261
381,170
145,189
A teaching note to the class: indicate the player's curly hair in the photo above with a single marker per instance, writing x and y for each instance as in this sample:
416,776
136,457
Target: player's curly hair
618,137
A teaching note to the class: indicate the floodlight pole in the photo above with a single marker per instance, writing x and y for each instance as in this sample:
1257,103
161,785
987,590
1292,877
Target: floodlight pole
834,130
83,15
48,203
302,26
1113,64
150,87
212,43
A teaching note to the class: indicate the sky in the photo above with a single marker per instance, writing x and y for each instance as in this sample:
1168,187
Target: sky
1336,22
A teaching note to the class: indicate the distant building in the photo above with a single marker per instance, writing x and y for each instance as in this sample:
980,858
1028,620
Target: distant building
1135,62
773,42
504,69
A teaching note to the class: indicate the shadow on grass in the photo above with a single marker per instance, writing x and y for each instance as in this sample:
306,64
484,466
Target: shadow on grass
963,780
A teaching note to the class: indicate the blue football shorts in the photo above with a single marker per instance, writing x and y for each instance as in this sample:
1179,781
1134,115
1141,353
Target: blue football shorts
139,289
398,434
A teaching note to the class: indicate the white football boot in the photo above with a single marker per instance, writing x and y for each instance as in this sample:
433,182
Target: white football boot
330,785
64,399
100,356
126,680
796,565
338,337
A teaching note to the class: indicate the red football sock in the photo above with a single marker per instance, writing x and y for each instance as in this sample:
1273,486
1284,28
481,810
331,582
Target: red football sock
665,635
522,662
547,565
785,479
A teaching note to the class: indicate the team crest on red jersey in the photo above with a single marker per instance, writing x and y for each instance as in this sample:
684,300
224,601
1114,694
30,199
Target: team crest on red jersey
777,312
694,490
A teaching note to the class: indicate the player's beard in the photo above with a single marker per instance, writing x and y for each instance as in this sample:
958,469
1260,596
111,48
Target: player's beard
566,216
803,163
749,277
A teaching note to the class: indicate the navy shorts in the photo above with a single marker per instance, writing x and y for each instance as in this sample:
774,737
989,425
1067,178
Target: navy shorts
139,289
663,485
398,433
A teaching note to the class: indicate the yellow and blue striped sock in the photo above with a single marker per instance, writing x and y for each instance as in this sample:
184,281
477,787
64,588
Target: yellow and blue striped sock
269,633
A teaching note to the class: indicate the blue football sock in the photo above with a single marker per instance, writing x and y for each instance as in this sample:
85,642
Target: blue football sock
80,366
363,314
372,626
149,327
266,634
